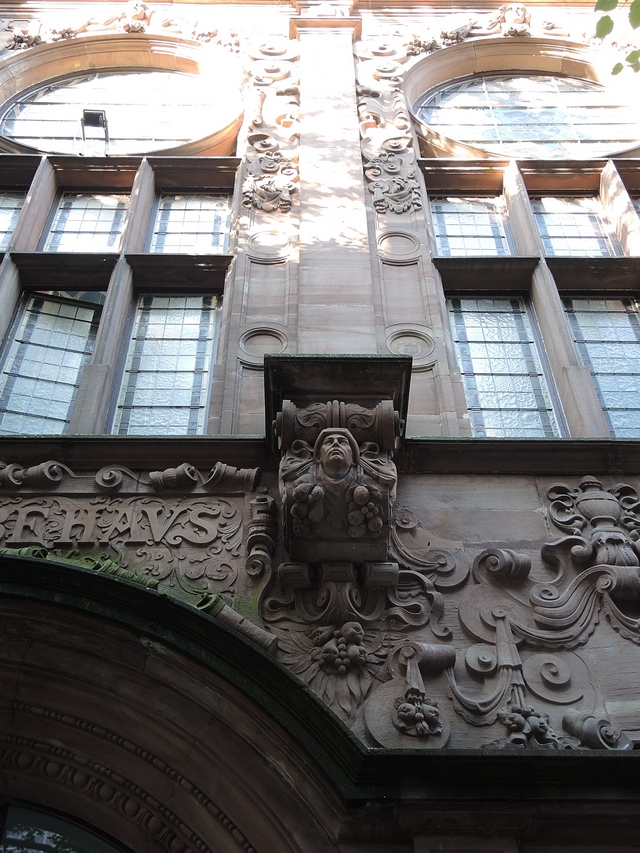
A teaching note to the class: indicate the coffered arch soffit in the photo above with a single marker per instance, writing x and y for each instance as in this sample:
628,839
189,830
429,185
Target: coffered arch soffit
126,711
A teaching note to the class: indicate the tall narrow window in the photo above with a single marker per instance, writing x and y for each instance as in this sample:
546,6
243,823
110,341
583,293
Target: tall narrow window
87,222
10,207
507,393
607,334
197,223
574,227
469,226
42,370
164,391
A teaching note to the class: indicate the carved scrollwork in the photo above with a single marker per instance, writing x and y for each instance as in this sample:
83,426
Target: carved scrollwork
183,477
182,544
380,425
271,181
45,474
591,507
550,677
412,545
272,164
392,182
528,728
593,732
504,565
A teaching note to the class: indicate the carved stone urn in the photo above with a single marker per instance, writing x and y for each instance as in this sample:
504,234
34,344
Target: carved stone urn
599,508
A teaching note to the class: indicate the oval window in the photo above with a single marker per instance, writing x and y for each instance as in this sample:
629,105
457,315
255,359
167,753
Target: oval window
111,113
532,116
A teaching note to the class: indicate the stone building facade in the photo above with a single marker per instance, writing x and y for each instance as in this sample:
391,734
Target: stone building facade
319,511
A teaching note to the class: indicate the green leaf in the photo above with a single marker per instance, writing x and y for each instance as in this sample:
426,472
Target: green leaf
634,14
605,25
633,57
617,68
606,5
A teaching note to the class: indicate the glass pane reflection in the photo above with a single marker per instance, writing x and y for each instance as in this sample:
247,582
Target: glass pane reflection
532,116
145,110
28,830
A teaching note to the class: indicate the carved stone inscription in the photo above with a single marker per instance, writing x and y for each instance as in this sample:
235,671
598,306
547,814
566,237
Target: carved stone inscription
162,529
178,541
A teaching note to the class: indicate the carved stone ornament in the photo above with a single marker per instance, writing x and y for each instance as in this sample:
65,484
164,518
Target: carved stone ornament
512,20
392,182
133,17
341,603
177,531
272,158
270,183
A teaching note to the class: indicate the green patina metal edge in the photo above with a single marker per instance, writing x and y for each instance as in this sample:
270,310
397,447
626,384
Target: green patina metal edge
358,773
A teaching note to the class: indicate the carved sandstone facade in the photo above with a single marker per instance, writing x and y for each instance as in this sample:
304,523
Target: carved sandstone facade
333,622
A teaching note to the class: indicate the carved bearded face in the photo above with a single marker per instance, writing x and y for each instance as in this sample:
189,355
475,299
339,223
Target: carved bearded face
336,456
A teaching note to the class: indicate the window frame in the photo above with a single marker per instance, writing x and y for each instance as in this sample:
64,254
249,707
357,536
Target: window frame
127,343
604,295
11,336
155,211
55,207
608,234
554,398
503,214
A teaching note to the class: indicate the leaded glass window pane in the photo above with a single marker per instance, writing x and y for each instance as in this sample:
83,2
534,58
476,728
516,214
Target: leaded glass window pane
42,370
87,222
196,223
507,392
607,334
10,207
469,226
164,390
533,116
574,227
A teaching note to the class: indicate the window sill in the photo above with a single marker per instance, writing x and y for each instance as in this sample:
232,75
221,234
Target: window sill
65,270
608,273
507,273
165,272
